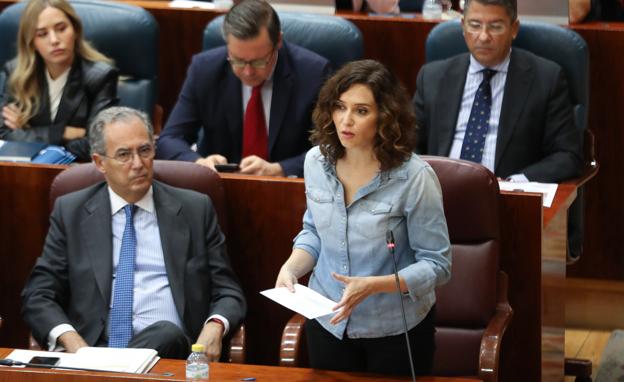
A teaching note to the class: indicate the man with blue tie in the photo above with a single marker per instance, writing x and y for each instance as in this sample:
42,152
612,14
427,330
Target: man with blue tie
250,101
132,262
504,108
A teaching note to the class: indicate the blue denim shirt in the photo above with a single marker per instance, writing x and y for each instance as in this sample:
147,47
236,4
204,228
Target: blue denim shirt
351,240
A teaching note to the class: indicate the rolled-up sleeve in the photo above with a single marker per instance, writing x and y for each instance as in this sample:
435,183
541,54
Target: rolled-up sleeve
428,236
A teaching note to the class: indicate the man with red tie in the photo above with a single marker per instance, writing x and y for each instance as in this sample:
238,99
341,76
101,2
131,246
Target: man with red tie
252,99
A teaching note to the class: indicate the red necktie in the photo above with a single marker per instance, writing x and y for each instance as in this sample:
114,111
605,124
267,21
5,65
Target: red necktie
255,141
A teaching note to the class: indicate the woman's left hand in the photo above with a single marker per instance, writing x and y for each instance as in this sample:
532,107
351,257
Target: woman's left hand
355,291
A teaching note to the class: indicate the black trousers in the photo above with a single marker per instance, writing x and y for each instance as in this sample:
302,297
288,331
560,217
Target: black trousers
163,336
383,355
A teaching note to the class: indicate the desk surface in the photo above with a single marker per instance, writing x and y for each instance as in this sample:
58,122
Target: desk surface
218,372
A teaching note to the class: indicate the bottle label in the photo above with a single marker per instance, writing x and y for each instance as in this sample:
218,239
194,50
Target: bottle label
197,372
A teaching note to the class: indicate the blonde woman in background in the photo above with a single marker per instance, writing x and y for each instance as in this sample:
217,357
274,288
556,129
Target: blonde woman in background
57,82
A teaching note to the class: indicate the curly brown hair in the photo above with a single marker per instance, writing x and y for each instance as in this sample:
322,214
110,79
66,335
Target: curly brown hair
395,140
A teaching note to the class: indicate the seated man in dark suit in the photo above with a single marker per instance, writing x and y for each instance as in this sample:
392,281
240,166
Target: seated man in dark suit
252,99
132,262
504,108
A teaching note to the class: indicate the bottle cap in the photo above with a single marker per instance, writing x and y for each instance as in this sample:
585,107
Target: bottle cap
197,348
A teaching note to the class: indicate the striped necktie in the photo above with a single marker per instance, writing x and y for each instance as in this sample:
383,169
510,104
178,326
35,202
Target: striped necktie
121,313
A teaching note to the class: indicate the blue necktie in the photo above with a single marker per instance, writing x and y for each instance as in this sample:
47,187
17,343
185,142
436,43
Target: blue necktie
121,313
479,121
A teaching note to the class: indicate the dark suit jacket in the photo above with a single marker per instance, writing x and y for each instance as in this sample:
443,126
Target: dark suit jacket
71,281
536,133
90,88
211,100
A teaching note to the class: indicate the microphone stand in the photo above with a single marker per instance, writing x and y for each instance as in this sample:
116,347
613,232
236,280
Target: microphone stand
390,245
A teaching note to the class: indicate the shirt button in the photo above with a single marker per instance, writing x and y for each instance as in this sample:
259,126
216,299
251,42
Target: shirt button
344,267
342,243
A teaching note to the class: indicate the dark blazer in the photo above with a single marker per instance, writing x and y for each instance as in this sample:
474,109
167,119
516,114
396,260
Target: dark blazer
71,281
90,88
211,101
536,133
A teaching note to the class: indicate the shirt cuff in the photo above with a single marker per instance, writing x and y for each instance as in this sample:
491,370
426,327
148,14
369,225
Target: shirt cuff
517,178
55,333
225,321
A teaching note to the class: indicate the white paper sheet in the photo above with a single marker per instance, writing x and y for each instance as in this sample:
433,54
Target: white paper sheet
547,189
191,4
304,301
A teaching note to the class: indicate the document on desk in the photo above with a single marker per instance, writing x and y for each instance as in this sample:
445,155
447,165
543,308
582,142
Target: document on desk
547,189
304,301
128,360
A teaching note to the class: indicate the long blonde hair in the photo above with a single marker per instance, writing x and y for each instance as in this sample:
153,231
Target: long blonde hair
23,83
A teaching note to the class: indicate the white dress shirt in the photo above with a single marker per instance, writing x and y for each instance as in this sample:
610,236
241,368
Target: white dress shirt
55,91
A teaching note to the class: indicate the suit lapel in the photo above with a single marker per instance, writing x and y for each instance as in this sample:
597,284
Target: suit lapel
451,96
282,89
233,103
517,87
72,94
175,240
97,233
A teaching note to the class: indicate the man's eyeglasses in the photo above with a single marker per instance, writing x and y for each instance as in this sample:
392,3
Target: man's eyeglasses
126,156
260,63
493,29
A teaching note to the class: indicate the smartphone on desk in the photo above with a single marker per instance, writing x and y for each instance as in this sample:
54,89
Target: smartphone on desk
228,167
48,361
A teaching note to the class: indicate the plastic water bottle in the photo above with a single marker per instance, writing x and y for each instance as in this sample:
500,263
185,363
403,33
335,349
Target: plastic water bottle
432,10
197,364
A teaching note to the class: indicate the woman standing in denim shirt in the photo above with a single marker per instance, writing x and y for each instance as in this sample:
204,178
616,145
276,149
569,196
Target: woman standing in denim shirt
362,180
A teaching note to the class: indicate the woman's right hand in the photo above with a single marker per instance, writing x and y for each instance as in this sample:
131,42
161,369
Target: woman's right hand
286,279
10,113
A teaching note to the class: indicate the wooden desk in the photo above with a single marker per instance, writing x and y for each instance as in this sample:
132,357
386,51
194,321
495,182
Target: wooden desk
264,214
218,372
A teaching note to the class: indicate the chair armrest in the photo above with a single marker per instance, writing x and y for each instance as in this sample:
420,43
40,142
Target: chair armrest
591,166
291,341
237,346
493,334
157,119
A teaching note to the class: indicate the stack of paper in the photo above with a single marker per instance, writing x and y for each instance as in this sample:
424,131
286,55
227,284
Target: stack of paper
109,359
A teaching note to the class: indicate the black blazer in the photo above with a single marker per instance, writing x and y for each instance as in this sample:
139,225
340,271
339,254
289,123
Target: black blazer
211,101
90,88
71,281
536,132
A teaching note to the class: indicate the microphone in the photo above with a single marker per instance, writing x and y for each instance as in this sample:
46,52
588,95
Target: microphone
10,362
390,245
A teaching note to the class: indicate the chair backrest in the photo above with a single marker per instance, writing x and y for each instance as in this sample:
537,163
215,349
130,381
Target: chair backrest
561,45
126,33
174,173
467,303
332,37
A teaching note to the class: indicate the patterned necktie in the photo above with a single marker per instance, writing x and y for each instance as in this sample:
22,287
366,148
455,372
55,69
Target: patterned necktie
121,313
479,121
255,141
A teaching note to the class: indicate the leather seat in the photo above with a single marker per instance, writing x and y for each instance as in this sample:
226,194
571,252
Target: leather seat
568,49
332,37
174,173
472,311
